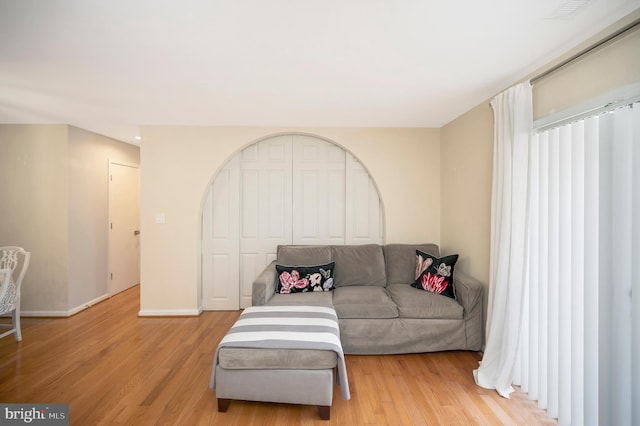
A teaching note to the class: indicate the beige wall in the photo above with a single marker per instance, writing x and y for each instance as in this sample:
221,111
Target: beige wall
54,204
34,210
178,164
605,69
467,156
467,144
89,156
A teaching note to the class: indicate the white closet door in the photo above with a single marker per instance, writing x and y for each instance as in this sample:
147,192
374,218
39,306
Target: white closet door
265,207
318,192
220,244
282,190
363,213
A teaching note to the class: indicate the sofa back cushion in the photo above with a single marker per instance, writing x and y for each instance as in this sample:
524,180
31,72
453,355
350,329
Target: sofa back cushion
291,255
400,261
359,265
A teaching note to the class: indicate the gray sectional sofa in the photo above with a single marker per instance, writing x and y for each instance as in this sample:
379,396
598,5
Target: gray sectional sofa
379,312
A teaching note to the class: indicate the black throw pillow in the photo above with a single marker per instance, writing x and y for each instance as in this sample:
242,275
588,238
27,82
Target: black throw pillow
435,274
300,279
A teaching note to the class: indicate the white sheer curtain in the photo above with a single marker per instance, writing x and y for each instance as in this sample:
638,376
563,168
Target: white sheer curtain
573,315
507,281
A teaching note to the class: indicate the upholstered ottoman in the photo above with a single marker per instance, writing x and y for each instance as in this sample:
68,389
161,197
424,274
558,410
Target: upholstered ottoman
283,354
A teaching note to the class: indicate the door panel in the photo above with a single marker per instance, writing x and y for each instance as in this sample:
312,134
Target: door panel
363,209
336,207
318,192
220,244
266,207
124,244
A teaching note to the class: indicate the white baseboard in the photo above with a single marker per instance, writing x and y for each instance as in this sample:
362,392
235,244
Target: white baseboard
88,304
169,312
64,314
61,314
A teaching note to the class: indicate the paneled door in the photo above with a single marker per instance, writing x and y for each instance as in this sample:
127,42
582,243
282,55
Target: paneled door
265,207
363,209
318,192
290,189
124,244
220,243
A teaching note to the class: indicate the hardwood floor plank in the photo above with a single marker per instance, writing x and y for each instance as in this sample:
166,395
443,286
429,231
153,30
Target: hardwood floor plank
113,367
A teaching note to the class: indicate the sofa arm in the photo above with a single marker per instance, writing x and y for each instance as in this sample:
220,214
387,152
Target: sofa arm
469,293
264,286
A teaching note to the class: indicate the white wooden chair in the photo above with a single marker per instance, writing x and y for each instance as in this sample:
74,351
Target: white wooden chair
11,258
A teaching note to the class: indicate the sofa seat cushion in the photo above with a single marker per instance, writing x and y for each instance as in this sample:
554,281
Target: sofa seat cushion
324,297
364,302
416,303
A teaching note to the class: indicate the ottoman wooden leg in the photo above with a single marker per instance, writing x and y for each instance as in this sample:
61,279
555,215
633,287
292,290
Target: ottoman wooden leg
223,404
324,411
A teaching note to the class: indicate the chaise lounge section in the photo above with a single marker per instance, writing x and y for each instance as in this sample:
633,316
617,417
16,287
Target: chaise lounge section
284,354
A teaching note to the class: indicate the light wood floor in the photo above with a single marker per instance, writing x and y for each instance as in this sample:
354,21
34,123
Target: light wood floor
113,367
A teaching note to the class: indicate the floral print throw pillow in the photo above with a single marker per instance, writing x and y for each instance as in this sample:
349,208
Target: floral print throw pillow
435,274
300,279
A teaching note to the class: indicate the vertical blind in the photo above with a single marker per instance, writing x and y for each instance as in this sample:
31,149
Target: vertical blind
579,351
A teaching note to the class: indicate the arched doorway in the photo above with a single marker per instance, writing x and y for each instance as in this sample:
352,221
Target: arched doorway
286,189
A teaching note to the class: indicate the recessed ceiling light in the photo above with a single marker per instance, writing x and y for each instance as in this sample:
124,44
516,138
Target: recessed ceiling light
569,9
138,138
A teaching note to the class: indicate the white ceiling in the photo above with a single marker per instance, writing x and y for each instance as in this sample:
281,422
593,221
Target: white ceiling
110,66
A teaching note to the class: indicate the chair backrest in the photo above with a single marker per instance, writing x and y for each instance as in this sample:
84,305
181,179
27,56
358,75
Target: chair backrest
10,258
7,292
